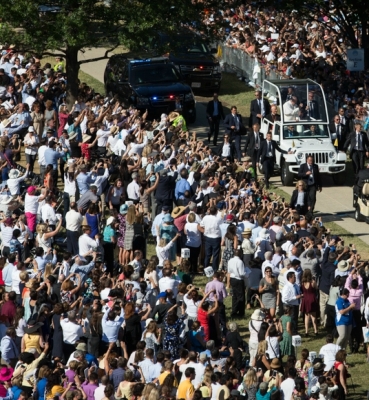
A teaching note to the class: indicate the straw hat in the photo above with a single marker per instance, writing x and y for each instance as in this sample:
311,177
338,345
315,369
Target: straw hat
178,211
247,231
85,138
72,135
114,130
172,116
258,315
343,266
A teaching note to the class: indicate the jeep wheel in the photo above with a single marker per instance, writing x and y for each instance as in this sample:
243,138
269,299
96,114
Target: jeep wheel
339,179
358,216
286,175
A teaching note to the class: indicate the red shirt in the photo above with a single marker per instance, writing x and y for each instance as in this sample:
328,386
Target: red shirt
8,309
180,222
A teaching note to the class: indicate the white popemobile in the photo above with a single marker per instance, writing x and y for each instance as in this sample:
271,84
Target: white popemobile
303,128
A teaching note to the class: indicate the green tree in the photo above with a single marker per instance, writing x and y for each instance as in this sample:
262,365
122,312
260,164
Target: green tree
64,27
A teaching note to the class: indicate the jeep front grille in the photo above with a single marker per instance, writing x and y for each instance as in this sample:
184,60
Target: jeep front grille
320,157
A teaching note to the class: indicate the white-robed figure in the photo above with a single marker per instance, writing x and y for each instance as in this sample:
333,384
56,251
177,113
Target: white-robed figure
291,110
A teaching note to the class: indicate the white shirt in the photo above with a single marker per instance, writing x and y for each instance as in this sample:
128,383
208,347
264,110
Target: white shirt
191,306
6,234
73,220
226,150
289,294
199,369
99,392
287,387
48,213
133,190
13,184
31,204
167,283
41,155
102,138
211,224
71,331
236,268
329,352
290,111
31,141
85,244
16,281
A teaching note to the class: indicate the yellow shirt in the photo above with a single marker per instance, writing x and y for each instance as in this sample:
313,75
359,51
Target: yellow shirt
163,376
185,389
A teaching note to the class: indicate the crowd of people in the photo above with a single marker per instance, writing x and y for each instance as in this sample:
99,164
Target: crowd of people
107,234
294,45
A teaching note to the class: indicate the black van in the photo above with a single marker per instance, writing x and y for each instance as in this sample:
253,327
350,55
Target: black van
154,84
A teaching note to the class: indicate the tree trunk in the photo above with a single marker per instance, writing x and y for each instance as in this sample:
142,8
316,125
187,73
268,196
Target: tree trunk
72,67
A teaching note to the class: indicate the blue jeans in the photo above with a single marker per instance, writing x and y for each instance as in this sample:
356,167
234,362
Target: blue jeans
4,174
212,248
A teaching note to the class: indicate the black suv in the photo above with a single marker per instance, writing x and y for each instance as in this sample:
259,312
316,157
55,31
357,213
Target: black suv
192,56
152,84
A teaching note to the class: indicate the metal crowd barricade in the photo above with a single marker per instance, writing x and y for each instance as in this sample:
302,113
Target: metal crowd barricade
236,60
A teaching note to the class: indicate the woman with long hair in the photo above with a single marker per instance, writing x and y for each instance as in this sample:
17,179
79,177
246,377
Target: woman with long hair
250,384
94,343
269,291
152,336
204,311
273,338
129,234
31,143
133,329
309,303
63,118
68,290
50,113
302,365
93,216
341,374
38,119
48,178
44,237
121,217
173,326
330,310
230,243
115,194
261,360
286,327
193,242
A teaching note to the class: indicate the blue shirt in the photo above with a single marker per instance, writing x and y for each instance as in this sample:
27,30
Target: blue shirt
181,186
343,319
108,233
77,129
111,328
52,157
82,270
83,182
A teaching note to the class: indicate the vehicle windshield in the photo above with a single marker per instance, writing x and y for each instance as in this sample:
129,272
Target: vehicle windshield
306,131
154,74
185,45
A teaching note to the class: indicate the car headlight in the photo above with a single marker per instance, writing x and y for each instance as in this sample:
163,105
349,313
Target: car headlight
188,97
142,100
217,69
331,154
299,156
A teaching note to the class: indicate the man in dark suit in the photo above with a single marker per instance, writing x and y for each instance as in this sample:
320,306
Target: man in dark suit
309,173
311,110
338,133
259,108
226,149
290,132
235,128
273,116
214,113
267,156
253,144
359,148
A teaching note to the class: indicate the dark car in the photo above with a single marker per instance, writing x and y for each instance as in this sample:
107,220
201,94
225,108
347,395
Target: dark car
193,57
154,84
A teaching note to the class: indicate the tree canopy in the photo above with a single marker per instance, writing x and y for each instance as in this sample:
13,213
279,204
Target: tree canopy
64,27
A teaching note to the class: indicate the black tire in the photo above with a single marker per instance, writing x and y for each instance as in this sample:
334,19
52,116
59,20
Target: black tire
358,216
286,175
191,119
339,179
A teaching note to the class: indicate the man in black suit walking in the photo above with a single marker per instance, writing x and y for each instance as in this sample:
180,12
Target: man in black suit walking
259,108
338,133
235,128
309,173
311,109
359,148
214,113
267,156
253,144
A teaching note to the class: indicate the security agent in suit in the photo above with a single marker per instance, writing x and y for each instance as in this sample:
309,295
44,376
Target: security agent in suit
259,108
253,144
267,156
235,128
214,113
309,173
359,143
311,109
338,133
273,116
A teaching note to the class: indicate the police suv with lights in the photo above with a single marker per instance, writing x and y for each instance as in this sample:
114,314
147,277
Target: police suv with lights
302,128
152,84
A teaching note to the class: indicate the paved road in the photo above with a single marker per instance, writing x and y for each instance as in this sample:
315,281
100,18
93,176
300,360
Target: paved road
333,202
